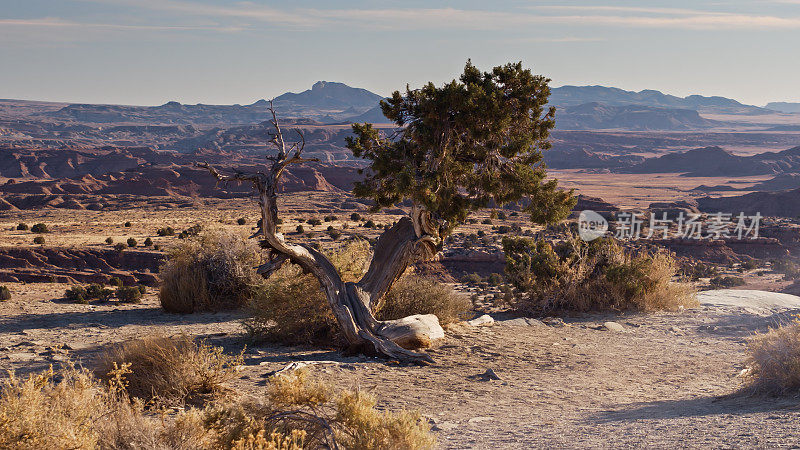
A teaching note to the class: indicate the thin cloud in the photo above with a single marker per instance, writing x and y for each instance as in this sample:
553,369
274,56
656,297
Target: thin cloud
49,22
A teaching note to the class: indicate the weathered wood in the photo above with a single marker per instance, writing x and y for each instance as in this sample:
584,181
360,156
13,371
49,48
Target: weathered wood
409,240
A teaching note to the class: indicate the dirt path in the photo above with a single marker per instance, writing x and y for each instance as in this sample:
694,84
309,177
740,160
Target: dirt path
664,382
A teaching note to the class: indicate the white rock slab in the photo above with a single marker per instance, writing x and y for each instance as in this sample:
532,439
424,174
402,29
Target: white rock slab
744,298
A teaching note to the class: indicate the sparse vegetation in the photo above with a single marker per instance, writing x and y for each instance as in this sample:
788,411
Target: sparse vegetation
76,294
314,222
98,292
115,281
129,294
413,294
39,240
355,217
40,228
127,224
723,282
170,370
109,240
575,276
132,242
166,231
212,272
22,227
241,221
330,218
148,242
774,360
5,293
120,247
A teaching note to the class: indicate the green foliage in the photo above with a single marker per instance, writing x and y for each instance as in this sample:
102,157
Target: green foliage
573,275
148,242
369,224
329,218
722,282
334,234
5,293
314,222
115,281
76,294
470,142
129,294
39,240
98,292
22,227
131,242
166,231
40,228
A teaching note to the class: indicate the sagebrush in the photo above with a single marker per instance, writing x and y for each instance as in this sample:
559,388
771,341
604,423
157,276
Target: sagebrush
774,360
572,275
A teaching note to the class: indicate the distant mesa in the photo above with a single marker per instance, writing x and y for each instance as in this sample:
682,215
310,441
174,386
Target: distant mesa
596,116
715,162
786,107
328,94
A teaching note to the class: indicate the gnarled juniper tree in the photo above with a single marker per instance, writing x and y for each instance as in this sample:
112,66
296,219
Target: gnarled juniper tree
471,143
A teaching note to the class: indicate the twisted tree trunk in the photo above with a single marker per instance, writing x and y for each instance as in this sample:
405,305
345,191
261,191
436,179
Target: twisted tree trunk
411,239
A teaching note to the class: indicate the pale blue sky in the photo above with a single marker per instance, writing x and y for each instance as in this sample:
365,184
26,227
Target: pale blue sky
153,51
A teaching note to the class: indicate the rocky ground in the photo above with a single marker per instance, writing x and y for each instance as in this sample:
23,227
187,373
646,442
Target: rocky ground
660,380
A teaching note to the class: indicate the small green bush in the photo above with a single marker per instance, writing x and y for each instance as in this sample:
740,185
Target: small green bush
314,222
495,279
132,242
129,294
329,218
127,224
334,234
721,282
5,293
241,221
22,227
109,240
300,229
355,217
166,231
148,242
120,247
39,240
76,294
40,228
472,278
369,224
115,281
98,292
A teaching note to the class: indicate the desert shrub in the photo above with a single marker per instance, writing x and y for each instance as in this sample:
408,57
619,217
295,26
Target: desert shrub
127,224
334,234
166,231
329,218
40,228
472,278
300,229
501,215
355,217
750,264
171,370
348,419
132,242
573,275
212,272
486,221
5,293
76,294
721,282
774,360
790,269
314,222
156,247
129,294
142,289
369,224
39,240
109,240
148,242
241,221
414,294
694,270
115,281
120,247
494,279
98,292
22,227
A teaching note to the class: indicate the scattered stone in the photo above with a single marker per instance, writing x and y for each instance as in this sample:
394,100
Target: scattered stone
444,426
675,329
613,326
480,419
481,321
555,322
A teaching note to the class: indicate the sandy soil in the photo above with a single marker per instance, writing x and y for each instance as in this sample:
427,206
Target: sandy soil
668,380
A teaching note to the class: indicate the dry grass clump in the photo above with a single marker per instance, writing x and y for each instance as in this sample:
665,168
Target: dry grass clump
576,276
421,295
291,307
211,272
170,371
774,360
71,409
80,412
312,415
